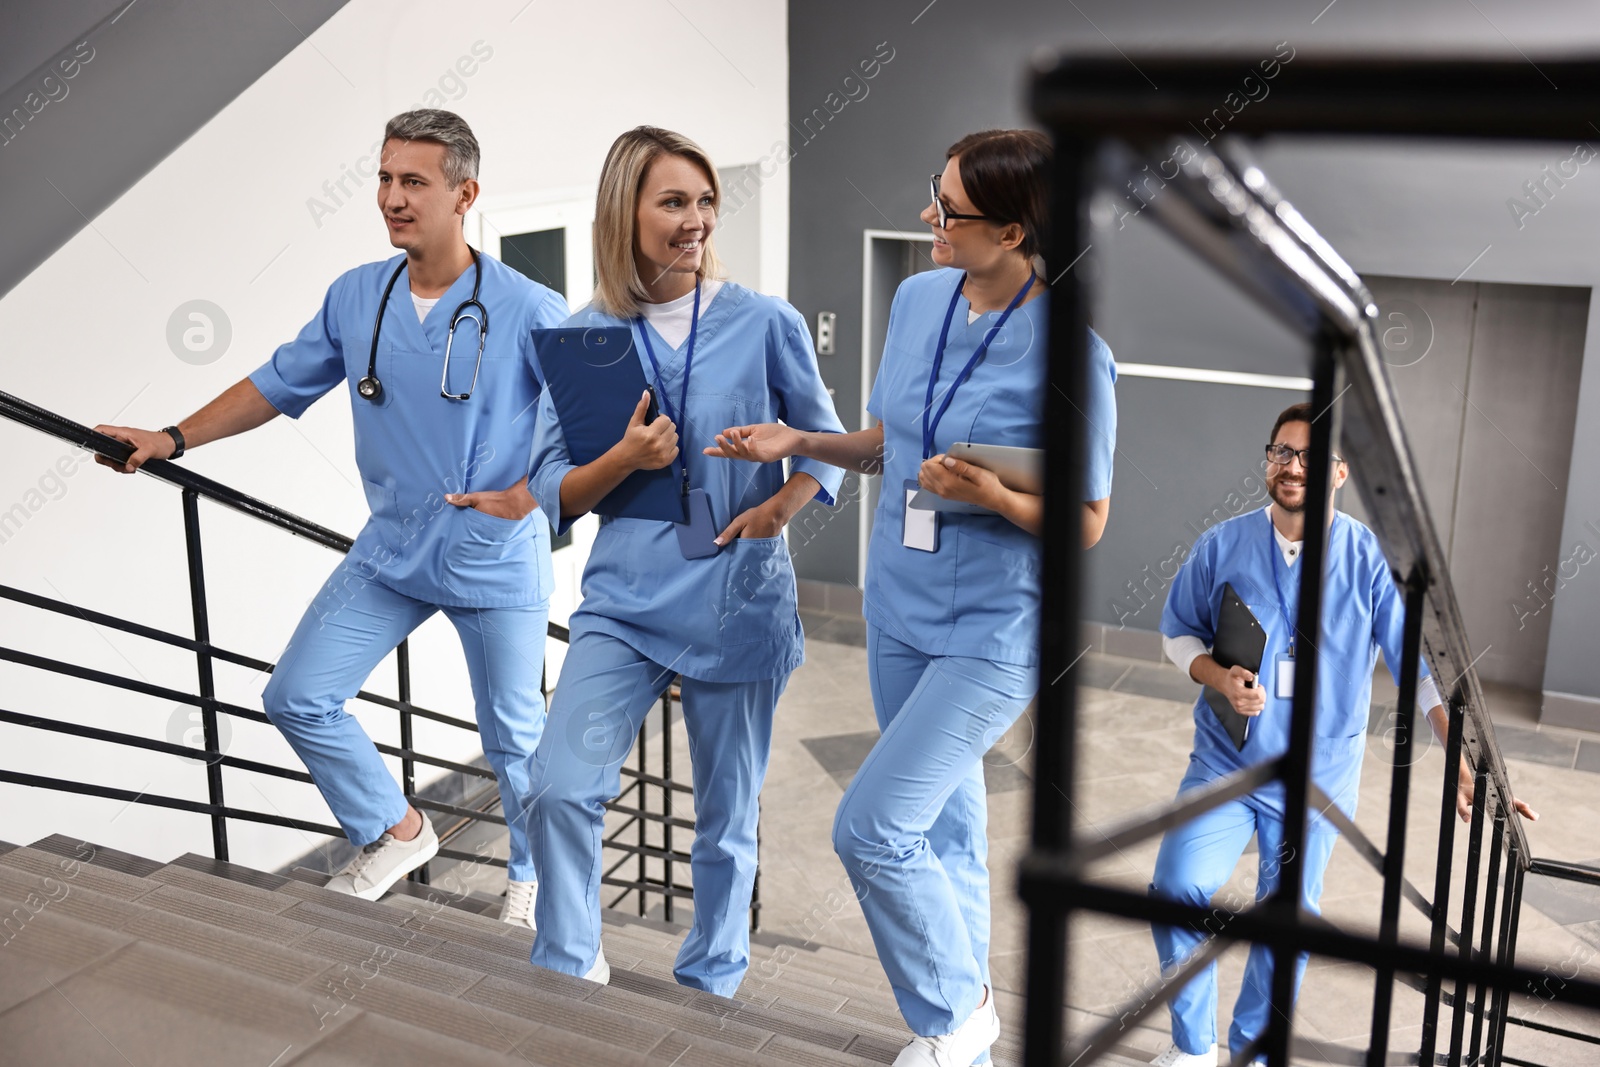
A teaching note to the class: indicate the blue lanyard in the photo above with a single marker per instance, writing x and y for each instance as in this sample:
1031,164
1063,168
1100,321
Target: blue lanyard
1272,539
931,428
683,393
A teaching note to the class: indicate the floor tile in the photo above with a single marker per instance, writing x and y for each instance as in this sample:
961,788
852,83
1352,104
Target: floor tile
1164,683
1520,742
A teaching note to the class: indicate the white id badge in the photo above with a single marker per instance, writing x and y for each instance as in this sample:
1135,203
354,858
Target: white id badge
921,527
1285,677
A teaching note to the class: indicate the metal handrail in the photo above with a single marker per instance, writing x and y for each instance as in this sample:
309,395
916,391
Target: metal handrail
194,487
1107,123
46,421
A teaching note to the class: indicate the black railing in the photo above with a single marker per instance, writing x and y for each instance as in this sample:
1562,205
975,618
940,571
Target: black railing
1109,126
645,804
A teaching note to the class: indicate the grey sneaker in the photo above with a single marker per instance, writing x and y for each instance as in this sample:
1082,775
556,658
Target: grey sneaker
384,862
959,1048
518,908
601,971
1173,1056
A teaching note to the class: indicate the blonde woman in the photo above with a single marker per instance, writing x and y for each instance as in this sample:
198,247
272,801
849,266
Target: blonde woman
718,355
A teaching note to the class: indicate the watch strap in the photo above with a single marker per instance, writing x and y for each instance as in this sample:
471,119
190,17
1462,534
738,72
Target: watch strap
177,439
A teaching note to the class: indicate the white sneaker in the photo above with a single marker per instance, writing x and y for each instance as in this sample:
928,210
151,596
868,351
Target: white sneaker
518,908
601,971
1176,1057
957,1049
384,862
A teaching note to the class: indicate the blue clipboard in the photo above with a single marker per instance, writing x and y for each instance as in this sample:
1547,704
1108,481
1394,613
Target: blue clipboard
595,381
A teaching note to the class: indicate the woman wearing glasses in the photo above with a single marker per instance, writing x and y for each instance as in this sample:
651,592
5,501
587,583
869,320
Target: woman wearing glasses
952,596
712,600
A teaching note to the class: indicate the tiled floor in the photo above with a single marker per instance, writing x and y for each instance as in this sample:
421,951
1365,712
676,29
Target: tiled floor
1133,747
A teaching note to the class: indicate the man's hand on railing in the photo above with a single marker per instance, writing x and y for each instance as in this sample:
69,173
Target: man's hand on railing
239,408
1466,789
146,445
513,503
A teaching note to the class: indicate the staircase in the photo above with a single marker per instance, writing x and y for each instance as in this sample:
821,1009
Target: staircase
109,958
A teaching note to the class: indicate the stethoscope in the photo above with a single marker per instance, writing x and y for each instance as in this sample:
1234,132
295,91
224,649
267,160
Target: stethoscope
372,389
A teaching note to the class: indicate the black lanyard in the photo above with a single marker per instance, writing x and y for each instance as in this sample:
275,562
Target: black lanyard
683,394
931,428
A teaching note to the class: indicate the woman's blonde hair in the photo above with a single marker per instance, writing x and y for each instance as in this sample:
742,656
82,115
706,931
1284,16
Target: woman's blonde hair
618,288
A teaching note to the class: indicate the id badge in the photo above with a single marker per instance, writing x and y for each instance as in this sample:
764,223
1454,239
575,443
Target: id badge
921,527
1283,672
697,537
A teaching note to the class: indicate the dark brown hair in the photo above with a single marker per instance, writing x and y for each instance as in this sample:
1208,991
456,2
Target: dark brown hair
1300,412
1005,176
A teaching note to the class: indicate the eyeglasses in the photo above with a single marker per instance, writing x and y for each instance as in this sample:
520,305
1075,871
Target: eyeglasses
1281,455
945,215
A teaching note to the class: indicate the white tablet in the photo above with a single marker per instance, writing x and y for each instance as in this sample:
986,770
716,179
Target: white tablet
1019,469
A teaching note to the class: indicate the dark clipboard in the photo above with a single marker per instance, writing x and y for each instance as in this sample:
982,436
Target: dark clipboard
1240,642
595,381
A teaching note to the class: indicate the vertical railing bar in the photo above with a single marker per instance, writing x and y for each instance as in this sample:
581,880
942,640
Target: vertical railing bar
1508,951
1394,856
408,766
1059,634
1441,882
1469,907
204,667
1491,888
666,800
1308,639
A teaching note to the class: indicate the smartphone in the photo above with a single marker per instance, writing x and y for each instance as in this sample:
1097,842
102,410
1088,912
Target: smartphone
697,538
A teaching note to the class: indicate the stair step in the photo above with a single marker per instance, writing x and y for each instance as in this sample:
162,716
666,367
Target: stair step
362,976
232,872
79,872
373,1041
422,971
66,897
109,858
47,948
150,1004
240,894
282,929
470,902
226,947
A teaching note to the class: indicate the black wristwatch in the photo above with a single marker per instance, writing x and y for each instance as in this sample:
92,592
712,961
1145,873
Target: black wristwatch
177,439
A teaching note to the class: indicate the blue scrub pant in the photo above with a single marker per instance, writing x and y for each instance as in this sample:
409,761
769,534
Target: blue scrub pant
1196,860
912,829
605,690
344,634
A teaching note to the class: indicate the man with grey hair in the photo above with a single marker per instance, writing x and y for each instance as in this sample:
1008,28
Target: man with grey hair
433,422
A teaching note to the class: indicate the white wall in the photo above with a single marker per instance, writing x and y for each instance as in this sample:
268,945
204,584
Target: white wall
226,219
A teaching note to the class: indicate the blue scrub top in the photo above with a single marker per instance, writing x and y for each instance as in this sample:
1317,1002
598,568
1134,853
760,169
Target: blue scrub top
1362,612
414,446
732,617
978,595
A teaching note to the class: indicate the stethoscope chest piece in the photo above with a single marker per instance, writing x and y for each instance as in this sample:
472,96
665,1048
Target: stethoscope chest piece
370,388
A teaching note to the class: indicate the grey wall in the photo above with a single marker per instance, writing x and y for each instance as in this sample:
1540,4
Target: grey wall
99,92
1434,211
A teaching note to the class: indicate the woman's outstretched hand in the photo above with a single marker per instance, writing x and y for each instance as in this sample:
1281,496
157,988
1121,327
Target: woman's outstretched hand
766,442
